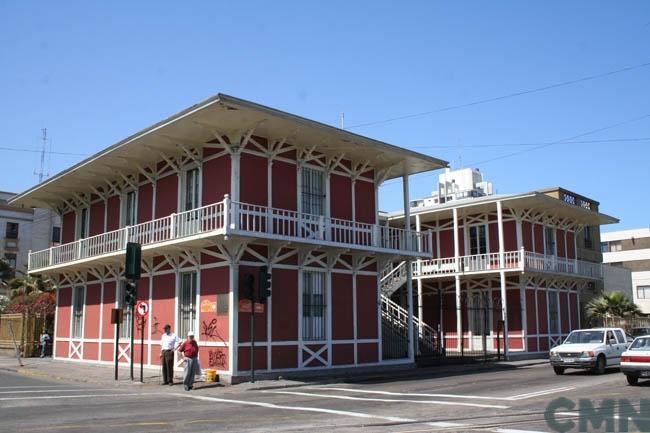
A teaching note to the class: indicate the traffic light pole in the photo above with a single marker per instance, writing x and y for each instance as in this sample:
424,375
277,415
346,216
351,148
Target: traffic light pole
117,346
132,335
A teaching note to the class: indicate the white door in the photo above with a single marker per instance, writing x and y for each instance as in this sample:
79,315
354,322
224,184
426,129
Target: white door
612,350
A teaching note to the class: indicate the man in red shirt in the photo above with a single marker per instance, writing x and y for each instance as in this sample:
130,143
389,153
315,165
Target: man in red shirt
190,351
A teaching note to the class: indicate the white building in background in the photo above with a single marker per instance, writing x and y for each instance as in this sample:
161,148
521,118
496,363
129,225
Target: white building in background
23,229
630,249
456,185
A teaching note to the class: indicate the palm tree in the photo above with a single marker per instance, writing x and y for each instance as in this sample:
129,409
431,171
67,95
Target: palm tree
613,304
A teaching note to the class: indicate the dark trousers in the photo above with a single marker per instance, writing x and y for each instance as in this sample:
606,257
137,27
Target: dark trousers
168,366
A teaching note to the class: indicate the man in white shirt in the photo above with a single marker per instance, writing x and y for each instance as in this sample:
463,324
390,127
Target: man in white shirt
168,344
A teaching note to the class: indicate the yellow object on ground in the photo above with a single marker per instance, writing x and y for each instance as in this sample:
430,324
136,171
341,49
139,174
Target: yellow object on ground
210,375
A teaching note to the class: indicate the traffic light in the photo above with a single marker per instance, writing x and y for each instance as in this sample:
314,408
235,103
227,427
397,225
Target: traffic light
132,263
249,289
130,293
264,284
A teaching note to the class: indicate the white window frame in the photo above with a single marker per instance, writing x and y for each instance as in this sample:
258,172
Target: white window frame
314,313
124,203
469,239
323,188
643,288
556,320
82,225
183,186
184,328
546,246
78,303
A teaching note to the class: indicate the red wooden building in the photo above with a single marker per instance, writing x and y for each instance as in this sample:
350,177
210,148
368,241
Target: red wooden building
507,272
213,193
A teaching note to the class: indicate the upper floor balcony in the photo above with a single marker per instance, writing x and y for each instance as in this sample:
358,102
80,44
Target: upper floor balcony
510,261
229,218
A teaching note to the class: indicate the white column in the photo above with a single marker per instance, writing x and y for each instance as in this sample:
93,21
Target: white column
419,281
502,275
233,336
235,176
524,315
409,271
459,317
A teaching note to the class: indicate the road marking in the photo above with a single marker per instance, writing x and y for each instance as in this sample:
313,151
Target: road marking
306,409
540,393
52,397
389,400
509,430
32,386
56,390
458,396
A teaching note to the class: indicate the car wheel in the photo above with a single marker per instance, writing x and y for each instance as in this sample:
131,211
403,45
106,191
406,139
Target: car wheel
600,365
632,380
558,370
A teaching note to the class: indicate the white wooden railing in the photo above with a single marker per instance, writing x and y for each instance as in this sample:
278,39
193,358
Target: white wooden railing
519,260
398,315
237,218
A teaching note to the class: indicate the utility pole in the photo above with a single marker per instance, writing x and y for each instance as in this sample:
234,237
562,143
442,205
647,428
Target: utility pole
42,175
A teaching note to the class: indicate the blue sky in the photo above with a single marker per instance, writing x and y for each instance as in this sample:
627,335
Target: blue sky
95,72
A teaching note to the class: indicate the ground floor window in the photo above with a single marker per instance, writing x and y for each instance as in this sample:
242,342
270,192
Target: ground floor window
643,292
313,306
78,312
187,303
553,313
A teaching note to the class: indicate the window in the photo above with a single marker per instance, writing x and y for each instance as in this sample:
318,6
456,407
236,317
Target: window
312,195
313,306
643,292
477,240
620,336
615,246
11,230
82,229
586,232
187,303
553,314
56,235
604,247
127,318
129,206
11,260
479,313
78,312
190,195
610,337
549,236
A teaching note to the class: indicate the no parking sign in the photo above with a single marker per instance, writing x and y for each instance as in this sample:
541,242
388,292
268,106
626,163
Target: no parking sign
142,309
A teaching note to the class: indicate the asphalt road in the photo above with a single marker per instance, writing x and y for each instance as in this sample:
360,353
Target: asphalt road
510,401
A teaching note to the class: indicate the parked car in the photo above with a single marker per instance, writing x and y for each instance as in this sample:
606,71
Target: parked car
638,332
635,361
595,349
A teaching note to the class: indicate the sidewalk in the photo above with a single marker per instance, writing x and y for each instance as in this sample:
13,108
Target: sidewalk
70,371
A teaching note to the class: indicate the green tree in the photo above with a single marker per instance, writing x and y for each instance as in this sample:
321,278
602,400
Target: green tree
613,304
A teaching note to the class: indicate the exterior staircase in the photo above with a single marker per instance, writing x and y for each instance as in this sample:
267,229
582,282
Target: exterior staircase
394,319
392,278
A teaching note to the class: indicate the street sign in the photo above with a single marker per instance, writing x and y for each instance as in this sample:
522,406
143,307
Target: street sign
142,309
246,306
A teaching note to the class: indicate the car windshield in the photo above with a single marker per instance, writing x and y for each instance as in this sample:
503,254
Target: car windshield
642,343
639,331
578,337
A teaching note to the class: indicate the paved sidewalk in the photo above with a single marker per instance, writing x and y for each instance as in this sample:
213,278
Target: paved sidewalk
69,371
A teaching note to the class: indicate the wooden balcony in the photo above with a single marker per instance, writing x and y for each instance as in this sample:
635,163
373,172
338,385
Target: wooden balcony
512,261
234,219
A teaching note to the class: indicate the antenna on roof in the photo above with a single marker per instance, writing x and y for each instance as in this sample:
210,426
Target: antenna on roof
41,172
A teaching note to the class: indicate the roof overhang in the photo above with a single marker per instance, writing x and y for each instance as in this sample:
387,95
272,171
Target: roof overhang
226,115
532,200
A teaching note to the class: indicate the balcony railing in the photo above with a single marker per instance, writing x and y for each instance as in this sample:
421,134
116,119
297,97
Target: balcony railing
519,260
228,217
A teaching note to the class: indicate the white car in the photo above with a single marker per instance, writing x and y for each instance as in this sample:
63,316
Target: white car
635,361
594,349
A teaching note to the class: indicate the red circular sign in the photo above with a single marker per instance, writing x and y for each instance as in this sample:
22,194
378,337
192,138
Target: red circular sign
142,309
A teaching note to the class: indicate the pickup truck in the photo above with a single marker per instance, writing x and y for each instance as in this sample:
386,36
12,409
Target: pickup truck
595,349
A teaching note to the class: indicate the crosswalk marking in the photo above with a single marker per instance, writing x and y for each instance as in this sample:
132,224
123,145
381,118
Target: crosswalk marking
388,400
